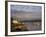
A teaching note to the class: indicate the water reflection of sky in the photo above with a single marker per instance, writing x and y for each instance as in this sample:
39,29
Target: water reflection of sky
26,11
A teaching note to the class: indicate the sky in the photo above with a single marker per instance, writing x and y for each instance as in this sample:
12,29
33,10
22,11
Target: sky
27,8
26,12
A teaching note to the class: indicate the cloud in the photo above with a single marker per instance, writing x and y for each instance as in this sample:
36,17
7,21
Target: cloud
26,12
